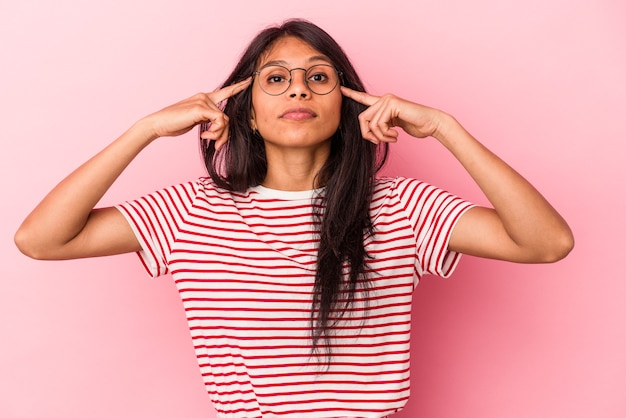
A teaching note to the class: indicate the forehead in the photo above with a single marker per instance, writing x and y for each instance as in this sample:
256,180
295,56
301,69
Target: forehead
290,50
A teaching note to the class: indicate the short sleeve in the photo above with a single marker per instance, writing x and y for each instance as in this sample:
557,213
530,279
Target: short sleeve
156,220
433,213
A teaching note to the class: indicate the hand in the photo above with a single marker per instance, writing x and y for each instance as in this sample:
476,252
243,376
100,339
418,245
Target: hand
388,111
181,117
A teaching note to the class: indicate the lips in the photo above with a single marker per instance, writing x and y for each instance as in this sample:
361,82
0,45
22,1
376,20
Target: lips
300,113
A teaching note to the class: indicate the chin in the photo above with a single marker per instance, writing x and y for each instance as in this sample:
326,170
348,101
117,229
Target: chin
297,141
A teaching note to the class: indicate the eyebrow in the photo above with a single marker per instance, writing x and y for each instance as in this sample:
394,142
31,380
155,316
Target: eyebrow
313,58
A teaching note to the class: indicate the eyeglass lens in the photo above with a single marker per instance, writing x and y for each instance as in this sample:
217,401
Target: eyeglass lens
275,79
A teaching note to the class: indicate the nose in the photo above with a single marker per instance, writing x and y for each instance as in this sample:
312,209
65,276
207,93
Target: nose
298,86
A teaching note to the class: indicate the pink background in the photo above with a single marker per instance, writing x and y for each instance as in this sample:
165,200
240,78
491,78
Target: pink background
541,82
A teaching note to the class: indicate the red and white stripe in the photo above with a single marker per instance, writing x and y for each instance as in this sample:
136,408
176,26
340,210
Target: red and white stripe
244,264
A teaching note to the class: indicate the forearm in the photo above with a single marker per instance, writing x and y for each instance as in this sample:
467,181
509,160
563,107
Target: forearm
527,217
522,227
64,212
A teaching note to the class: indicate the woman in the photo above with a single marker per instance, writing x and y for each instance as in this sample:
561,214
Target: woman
295,264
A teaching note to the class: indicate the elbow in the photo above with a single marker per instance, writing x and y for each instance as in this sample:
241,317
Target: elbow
25,242
559,247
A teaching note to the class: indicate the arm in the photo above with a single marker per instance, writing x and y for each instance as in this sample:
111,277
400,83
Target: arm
65,224
521,227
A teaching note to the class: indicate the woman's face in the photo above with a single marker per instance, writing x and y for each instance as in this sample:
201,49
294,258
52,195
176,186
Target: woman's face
297,118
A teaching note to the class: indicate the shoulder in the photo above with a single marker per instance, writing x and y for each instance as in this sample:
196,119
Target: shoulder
205,186
412,195
395,186
387,193
207,192
184,195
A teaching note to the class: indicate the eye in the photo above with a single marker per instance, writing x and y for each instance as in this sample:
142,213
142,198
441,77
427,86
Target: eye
274,75
319,77
320,74
274,78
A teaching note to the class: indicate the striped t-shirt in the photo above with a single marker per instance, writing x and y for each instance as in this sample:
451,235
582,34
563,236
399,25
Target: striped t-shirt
244,264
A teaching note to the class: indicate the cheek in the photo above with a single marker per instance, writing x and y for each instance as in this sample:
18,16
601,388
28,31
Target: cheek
261,110
336,112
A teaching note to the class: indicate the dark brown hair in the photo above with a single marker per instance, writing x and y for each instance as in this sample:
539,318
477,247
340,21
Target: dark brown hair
348,176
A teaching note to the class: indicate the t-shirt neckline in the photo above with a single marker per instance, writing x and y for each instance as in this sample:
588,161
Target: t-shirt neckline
286,195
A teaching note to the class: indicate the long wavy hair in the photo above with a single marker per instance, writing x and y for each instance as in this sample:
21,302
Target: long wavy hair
347,176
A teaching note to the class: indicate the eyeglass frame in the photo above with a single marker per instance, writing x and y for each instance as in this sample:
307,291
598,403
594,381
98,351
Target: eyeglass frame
306,82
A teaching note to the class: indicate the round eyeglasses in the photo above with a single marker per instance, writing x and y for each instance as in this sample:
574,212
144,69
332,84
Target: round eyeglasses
321,79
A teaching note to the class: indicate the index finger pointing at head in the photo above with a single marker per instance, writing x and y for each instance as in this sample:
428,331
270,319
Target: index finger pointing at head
359,96
229,91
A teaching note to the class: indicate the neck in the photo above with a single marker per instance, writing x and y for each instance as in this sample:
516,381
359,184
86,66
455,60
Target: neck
294,169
